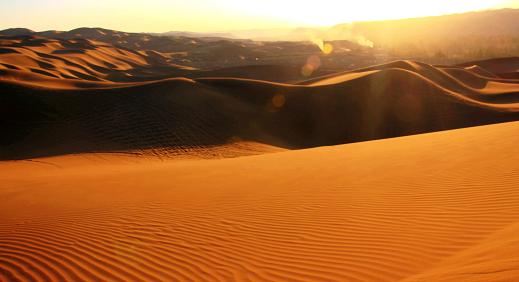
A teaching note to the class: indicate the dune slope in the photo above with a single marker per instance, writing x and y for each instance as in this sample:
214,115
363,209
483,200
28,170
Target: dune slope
433,207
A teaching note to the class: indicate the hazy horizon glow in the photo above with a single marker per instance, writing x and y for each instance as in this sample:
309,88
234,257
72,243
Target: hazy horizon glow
224,15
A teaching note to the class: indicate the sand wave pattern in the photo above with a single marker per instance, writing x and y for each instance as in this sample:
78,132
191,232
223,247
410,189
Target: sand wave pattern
326,214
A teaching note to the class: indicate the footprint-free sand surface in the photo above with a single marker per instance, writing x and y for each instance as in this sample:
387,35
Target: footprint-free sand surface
433,207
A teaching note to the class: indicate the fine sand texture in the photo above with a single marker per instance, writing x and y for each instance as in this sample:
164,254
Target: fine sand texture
442,206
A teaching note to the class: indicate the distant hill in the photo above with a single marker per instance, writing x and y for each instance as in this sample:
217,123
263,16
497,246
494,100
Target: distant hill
474,35
16,31
503,22
486,34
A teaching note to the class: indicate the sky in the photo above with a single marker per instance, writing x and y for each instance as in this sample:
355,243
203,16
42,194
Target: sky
220,15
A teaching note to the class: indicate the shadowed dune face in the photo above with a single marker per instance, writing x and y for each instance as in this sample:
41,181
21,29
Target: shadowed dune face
172,114
169,116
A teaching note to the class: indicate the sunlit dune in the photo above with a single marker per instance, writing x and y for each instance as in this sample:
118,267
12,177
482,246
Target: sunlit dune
434,207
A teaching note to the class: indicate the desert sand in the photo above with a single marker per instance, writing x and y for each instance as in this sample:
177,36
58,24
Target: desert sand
121,165
432,207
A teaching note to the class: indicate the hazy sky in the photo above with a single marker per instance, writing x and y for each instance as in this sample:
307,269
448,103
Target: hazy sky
220,15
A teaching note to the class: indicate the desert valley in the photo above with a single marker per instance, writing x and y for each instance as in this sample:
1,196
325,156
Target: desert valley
310,154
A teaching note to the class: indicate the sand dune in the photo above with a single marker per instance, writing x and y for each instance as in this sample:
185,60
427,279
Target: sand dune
91,60
105,173
133,41
433,207
181,115
502,67
84,59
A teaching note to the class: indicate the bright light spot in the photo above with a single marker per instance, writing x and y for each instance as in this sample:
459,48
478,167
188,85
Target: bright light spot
328,48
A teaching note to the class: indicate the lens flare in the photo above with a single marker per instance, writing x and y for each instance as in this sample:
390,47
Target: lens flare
312,64
278,101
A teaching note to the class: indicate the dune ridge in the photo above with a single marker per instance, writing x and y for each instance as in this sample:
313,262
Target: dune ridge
386,210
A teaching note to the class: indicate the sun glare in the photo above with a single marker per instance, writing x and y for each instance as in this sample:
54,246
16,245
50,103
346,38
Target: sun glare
330,12
222,15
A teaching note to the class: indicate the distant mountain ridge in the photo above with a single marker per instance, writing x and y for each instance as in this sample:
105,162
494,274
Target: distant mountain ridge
490,22
503,22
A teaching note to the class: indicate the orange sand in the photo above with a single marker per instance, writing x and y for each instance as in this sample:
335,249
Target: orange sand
434,207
